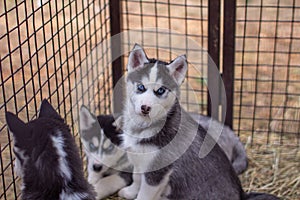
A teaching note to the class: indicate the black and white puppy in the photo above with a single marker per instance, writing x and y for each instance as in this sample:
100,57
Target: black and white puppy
108,167
47,158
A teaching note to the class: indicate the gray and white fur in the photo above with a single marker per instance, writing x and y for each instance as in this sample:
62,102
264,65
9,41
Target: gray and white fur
154,120
108,180
228,141
108,167
47,158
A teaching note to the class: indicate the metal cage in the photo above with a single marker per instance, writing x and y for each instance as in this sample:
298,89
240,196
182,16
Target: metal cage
63,51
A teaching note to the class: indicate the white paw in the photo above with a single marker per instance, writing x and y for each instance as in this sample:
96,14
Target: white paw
129,192
109,185
102,194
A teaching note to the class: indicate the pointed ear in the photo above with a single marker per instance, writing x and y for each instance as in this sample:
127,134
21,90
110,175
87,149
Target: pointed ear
86,119
15,125
137,58
177,69
46,110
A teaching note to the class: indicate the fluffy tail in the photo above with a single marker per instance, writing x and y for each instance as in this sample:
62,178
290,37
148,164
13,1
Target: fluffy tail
260,196
239,158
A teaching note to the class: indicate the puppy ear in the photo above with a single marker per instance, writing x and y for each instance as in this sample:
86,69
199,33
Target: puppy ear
178,68
86,119
15,125
137,58
46,110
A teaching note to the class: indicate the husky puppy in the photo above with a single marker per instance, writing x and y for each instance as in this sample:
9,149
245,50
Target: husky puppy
47,158
157,129
228,141
108,167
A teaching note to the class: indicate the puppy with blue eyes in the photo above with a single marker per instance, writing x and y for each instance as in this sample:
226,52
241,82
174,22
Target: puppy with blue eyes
108,167
163,141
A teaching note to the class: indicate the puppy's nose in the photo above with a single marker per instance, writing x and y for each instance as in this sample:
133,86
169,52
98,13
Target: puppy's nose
97,168
145,109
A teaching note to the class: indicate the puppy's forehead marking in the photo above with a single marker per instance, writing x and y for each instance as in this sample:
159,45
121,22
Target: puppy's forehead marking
92,132
144,80
156,72
153,74
165,78
86,121
158,84
139,74
95,141
152,81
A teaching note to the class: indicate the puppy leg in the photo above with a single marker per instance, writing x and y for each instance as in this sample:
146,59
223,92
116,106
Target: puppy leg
152,192
93,177
131,191
109,185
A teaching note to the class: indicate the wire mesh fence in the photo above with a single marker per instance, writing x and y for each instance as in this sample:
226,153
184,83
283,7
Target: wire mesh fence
267,71
60,50
49,49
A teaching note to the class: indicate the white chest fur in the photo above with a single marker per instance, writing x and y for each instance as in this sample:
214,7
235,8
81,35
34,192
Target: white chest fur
140,155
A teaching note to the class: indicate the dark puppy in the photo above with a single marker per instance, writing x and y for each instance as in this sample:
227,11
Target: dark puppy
47,158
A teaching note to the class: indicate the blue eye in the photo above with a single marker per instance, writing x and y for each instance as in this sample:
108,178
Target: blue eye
160,91
141,88
110,148
92,147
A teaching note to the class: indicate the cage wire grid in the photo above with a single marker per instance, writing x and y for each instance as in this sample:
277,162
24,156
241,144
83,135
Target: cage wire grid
49,49
267,70
60,51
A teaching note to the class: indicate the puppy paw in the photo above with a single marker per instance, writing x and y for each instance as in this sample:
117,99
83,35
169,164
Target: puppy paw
129,192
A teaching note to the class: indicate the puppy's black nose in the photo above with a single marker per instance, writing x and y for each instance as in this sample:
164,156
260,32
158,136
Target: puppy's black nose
97,168
145,109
